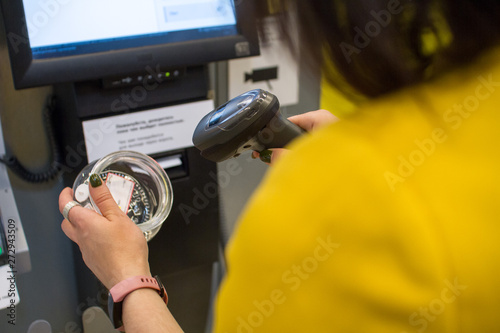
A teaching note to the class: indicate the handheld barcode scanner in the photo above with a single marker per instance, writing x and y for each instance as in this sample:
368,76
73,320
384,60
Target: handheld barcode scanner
251,121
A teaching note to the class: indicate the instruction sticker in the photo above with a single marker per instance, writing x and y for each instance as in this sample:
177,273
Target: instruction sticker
147,132
121,189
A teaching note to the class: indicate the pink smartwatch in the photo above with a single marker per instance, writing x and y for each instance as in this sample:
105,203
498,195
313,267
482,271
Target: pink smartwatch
125,287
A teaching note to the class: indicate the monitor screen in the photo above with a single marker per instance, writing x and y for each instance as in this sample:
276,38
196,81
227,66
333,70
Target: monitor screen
54,41
119,24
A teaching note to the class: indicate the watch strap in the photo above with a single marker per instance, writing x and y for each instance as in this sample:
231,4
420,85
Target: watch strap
125,287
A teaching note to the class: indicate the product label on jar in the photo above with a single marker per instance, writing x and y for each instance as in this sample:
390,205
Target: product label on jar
121,189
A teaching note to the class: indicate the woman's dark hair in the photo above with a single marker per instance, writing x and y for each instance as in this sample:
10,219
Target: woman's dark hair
379,46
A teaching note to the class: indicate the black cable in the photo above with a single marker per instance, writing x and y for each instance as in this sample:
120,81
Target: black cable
55,167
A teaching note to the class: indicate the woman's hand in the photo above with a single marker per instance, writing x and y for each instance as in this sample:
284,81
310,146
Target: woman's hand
112,246
309,121
313,120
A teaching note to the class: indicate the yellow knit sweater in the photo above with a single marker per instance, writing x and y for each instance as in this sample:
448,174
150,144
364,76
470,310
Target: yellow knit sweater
388,221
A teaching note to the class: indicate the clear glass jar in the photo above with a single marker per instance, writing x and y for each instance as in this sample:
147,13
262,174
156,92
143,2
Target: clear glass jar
138,184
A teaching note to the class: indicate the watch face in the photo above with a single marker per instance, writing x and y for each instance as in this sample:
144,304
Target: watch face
135,202
115,311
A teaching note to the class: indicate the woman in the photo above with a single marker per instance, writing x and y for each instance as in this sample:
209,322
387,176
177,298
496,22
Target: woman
385,221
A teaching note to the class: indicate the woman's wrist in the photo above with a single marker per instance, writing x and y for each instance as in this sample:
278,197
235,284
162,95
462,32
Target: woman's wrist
116,276
123,291
159,318
142,292
120,290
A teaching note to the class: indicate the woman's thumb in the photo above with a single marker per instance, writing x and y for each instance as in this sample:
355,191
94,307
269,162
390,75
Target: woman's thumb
102,197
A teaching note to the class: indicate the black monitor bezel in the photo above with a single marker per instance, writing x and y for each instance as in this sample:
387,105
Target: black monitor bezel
28,72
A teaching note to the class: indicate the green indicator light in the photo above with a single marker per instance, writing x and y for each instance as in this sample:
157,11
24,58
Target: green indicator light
1,251
167,74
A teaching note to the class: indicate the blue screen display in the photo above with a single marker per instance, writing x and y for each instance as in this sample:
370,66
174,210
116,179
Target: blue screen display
59,28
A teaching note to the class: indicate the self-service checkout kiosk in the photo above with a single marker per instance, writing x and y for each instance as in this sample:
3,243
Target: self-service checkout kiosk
134,76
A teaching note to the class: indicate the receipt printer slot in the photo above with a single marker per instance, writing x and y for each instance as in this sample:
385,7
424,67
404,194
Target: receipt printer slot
174,164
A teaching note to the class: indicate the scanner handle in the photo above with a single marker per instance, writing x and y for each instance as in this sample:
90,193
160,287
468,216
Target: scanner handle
280,132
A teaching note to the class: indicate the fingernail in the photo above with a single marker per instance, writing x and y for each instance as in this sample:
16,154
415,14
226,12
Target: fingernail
95,180
265,156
